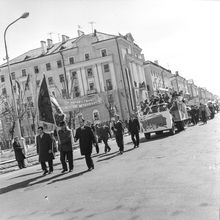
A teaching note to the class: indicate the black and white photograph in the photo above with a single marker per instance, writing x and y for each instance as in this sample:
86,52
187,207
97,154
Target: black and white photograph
109,109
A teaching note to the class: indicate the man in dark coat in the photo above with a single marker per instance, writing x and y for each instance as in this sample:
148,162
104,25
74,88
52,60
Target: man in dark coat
44,150
86,139
104,134
134,129
66,147
19,154
119,132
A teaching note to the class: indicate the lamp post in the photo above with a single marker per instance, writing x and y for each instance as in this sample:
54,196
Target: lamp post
17,123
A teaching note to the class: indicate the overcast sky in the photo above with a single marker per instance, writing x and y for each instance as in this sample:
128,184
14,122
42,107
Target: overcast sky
183,35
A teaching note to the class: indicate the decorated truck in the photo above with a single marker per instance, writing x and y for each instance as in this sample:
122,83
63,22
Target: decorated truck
159,118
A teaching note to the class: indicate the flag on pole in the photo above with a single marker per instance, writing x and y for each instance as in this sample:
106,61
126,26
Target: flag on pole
44,104
48,106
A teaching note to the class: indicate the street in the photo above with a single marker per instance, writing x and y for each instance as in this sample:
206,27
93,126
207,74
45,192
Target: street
167,177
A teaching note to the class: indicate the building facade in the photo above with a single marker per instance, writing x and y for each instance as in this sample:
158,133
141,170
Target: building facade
79,70
157,77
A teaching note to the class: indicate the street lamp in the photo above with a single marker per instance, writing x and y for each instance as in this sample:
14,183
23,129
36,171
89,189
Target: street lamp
17,123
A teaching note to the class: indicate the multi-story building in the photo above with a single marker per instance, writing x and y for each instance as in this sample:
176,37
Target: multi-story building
98,73
157,77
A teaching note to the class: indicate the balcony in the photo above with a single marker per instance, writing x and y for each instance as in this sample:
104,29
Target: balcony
91,91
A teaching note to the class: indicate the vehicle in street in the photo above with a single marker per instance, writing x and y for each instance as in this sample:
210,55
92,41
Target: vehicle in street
160,118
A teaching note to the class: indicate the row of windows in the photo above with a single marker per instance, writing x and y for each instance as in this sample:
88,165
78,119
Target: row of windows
59,65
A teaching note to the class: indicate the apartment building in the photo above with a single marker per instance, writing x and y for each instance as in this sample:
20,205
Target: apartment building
98,74
157,77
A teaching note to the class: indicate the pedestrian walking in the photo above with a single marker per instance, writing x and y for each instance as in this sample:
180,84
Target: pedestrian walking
66,147
134,129
19,153
119,132
105,134
44,150
86,139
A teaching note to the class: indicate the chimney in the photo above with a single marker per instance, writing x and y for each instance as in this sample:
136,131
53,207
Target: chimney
64,38
43,47
49,43
80,33
156,61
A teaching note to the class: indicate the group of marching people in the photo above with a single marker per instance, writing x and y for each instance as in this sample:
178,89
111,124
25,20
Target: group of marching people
88,136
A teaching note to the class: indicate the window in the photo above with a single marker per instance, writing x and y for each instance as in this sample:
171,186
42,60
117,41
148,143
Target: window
28,114
2,78
4,91
38,83
104,53
48,66
106,68
14,88
76,90
95,115
59,64
110,98
13,75
64,92
29,99
36,69
109,84
50,80
71,60
91,86
61,76
89,72
87,56
24,72
74,75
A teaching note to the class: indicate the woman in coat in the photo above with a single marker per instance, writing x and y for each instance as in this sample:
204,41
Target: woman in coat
19,153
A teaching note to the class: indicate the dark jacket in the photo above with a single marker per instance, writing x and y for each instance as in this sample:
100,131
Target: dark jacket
86,139
104,132
19,155
133,126
44,144
66,138
118,128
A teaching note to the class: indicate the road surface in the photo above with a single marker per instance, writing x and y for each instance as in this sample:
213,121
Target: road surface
167,177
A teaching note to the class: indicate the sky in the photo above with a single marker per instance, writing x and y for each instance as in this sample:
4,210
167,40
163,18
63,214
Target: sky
183,35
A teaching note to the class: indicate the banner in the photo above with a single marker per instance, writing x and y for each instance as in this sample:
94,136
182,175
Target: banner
48,106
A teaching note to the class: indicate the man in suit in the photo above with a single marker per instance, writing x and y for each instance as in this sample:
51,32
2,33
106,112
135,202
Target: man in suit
104,134
66,146
44,150
86,139
134,129
119,132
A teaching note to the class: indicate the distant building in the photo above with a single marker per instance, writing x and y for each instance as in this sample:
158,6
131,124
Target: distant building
157,77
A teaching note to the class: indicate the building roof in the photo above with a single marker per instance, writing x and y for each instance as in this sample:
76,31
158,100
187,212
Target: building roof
61,46
150,62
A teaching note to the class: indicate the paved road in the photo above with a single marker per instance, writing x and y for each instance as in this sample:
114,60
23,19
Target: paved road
174,177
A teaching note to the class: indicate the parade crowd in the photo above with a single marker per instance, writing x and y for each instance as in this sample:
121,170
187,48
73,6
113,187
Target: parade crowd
90,136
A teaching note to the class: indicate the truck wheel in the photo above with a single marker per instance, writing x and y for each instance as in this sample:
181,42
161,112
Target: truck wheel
180,126
147,135
172,130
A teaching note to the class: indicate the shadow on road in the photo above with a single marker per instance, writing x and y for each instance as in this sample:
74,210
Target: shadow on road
114,154
69,177
27,183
